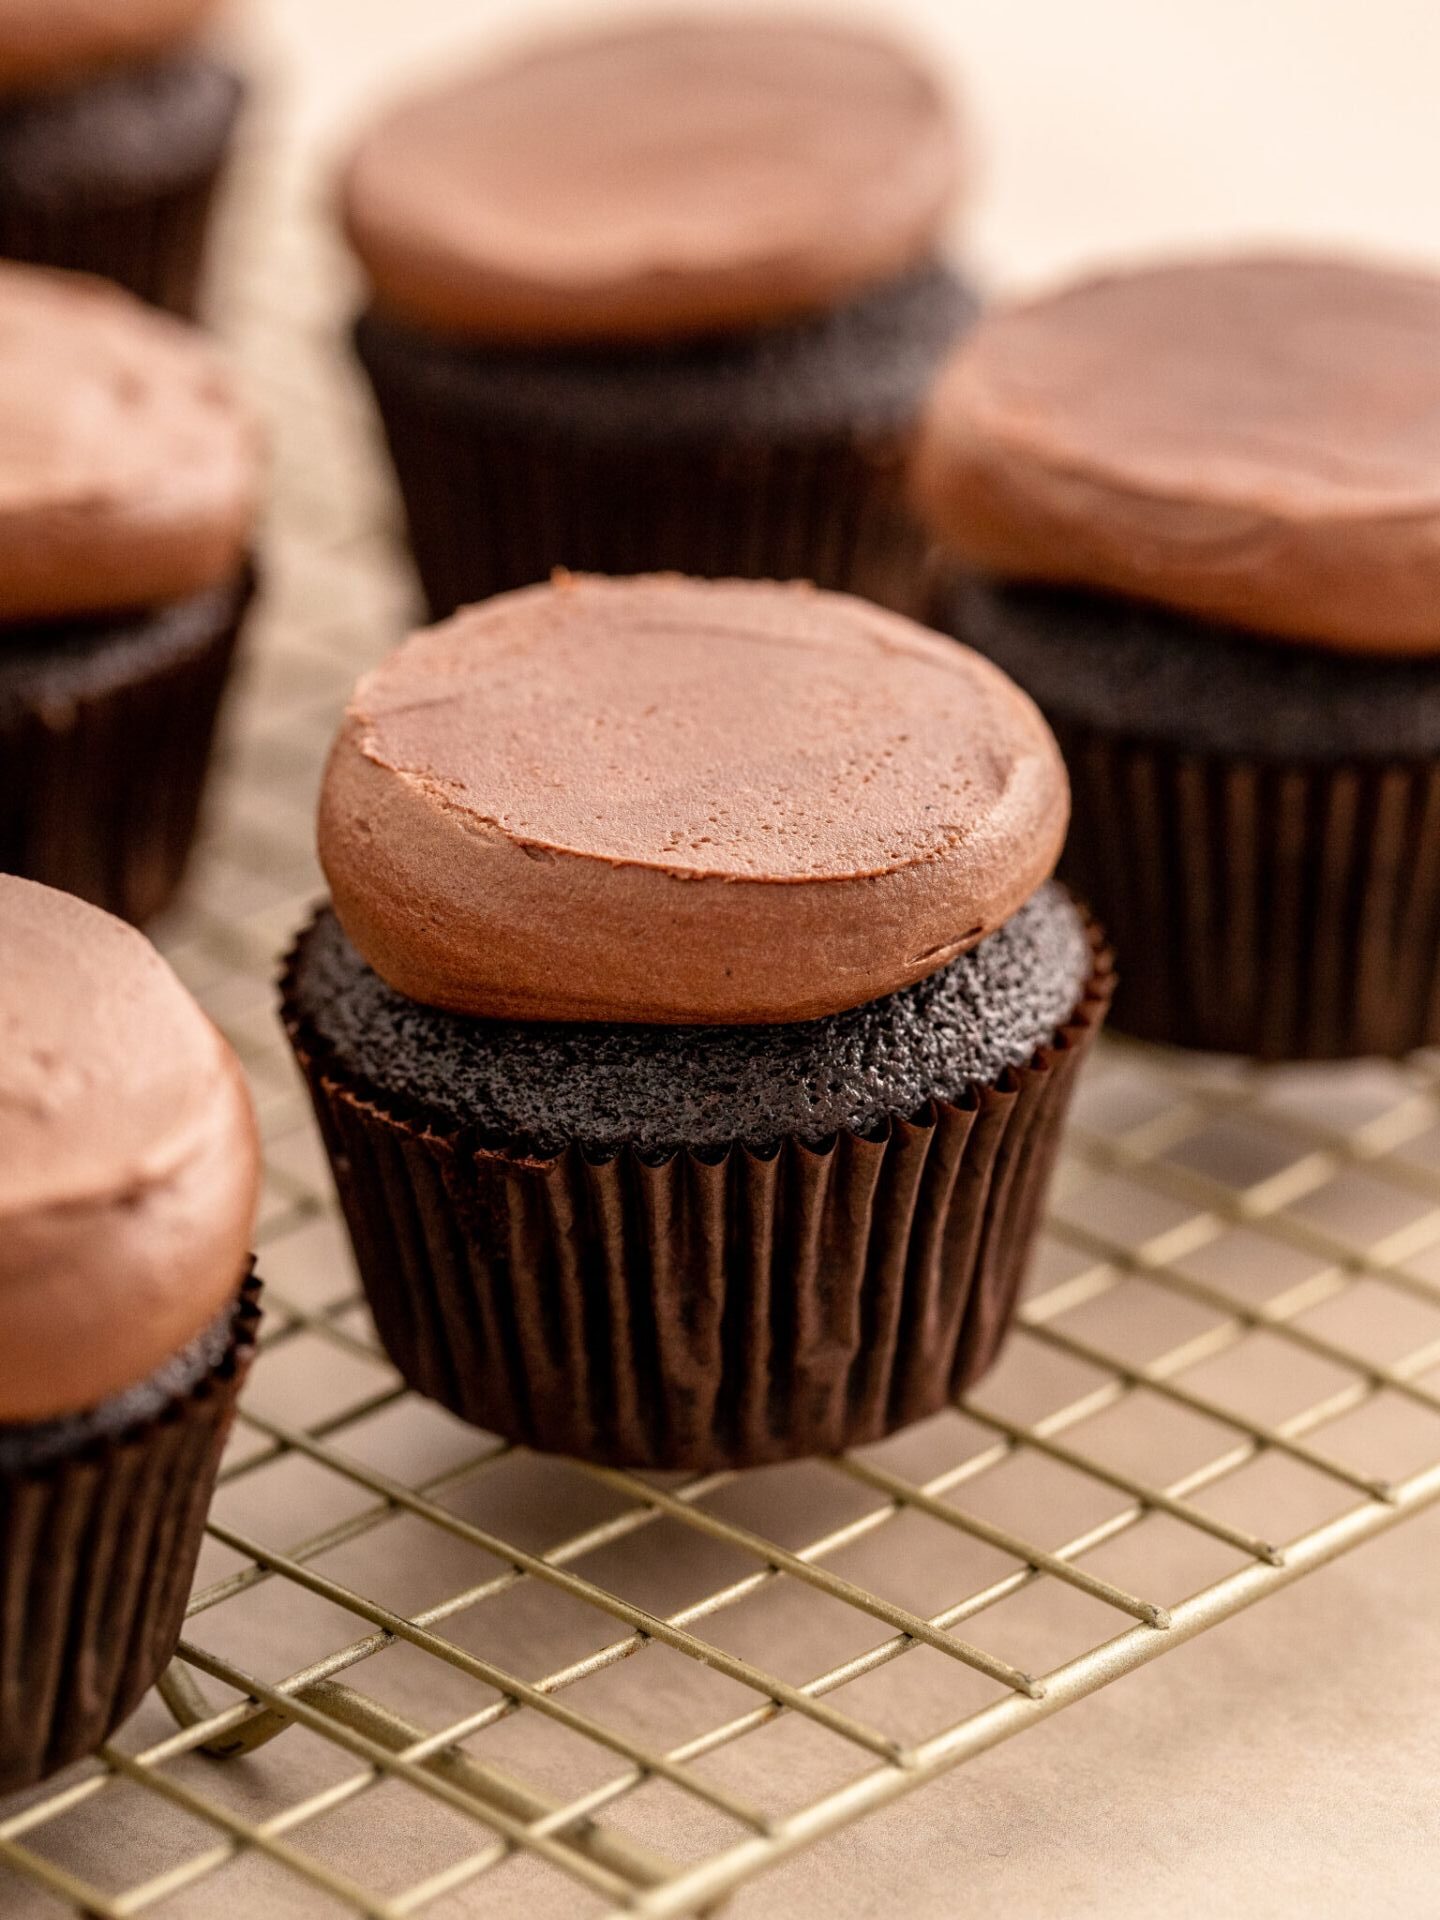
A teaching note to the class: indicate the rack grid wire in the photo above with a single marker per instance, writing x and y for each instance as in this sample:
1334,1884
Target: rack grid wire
425,1672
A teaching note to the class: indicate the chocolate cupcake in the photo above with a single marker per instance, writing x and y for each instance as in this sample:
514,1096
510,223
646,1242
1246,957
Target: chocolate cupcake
693,1023
114,126
129,478
663,297
1198,509
129,1170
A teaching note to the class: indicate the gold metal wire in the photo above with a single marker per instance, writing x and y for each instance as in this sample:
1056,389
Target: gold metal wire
1188,1187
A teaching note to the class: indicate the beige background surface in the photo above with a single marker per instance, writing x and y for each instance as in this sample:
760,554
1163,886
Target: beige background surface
1289,1764
1098,129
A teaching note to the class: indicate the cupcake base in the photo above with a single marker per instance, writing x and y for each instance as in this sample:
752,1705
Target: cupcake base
1278,910
97,1552
698,1310
105,736
775,457
1257,823
116,175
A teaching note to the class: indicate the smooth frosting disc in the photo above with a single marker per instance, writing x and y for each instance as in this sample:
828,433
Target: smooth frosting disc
129,1162
45,42
654,181
1255,440
129,469
680,801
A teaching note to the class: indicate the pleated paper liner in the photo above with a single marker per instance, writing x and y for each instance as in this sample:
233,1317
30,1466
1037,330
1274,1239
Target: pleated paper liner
704,1312
102,773
1282,910
150,242
490,509
97,1553
155,248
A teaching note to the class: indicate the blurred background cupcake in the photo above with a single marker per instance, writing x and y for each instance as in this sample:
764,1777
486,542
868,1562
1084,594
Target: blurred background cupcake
115,121
129,1176
129,484
1198,512
661,296
695,1108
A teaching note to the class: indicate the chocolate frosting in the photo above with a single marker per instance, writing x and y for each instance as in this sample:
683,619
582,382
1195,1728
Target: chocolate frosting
129,470
681,802
1255,440
659,180
129,1161
46,42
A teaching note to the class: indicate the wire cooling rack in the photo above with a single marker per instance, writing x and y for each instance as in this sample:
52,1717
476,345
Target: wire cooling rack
425,1672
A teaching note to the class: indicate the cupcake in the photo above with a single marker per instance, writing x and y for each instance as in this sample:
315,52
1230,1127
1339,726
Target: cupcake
114,124
128,494
129,1169
664,297
692,1024
1196,511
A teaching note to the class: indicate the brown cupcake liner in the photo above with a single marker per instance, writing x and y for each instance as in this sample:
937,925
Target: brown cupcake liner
704,1312
100,793
154,246
1281,910
97,1553
489,510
